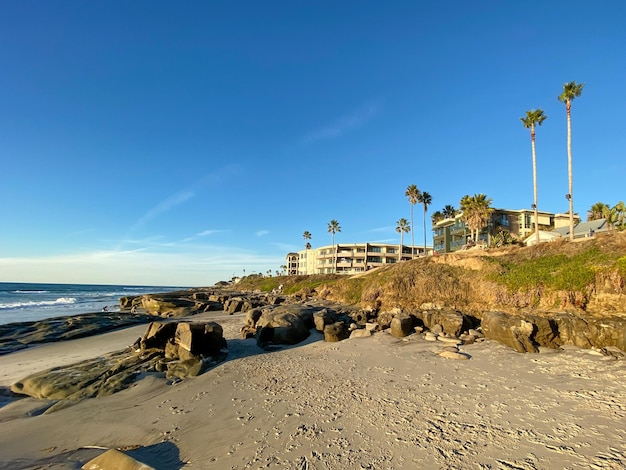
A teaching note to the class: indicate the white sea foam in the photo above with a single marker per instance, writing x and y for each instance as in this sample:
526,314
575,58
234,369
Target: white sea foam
43,303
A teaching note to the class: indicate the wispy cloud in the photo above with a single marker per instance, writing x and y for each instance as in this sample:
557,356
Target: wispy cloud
343,124
386,229
262,233
165,205
205,233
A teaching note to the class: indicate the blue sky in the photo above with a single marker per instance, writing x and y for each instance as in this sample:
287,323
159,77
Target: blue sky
179,143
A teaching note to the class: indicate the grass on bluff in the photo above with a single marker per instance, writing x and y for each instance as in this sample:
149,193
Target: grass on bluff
466,278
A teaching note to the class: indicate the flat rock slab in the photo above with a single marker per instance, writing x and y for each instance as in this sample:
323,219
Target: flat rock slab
113,459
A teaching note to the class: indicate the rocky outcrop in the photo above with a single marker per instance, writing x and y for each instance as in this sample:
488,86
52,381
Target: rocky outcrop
194,301
526,333
180,350
15,336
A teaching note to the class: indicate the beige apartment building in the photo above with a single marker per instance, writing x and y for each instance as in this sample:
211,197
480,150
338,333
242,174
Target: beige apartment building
452,234
351,258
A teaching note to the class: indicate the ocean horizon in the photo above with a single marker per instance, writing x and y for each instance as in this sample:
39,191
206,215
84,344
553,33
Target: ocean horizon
23,302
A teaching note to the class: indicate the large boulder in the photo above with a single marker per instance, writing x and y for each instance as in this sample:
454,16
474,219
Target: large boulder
337,331
281,327
401,326
324,317
510,330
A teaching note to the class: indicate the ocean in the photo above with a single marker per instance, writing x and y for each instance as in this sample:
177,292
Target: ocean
21,302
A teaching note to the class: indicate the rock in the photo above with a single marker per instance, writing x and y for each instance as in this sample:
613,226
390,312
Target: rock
446,339
252,316
428,336
371,326
361,333
157,335
401,326
322,318
384,319
451,321
451,349
201,339
281,327
183,369
437,329
454,355
113,459
336,332
509,330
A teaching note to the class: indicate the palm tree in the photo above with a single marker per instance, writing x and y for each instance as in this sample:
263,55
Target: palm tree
402,227
597,211
615,215
425,199
571,91
333,227
307,236
437,216
449,211
533,118
413,194
476,212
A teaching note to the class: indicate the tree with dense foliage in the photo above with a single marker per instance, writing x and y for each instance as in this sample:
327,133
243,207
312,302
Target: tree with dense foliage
402,227
597,211
571,91
534,118
476,212
413,195
426,200
333,227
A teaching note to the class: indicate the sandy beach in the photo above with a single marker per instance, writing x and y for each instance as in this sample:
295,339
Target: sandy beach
366,403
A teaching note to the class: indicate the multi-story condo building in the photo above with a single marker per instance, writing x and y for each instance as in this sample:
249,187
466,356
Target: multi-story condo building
452,234
351,258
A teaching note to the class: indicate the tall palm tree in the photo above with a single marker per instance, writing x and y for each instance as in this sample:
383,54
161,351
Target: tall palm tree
571,91
597,211
476,212
534,117
402,227
449,211
425,199
307,236
333,227
413,194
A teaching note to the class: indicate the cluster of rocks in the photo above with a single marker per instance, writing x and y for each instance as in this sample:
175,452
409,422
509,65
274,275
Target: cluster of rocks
194,301
184,349
177,349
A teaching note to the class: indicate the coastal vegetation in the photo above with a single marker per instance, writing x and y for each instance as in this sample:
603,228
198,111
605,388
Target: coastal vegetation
586,276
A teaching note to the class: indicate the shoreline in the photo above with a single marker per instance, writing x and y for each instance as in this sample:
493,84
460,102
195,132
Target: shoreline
378,402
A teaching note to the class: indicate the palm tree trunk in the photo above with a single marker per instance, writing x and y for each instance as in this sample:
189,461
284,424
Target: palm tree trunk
424,230
400,250
532,139
569,171
412,238
334,255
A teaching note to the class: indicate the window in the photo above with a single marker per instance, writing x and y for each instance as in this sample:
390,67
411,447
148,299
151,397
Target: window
375,249
392,250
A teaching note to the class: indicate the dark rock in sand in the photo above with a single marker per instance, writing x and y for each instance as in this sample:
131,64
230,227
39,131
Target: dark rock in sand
15,336
337,331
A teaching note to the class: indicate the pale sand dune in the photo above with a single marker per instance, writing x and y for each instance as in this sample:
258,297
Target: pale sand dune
378,403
